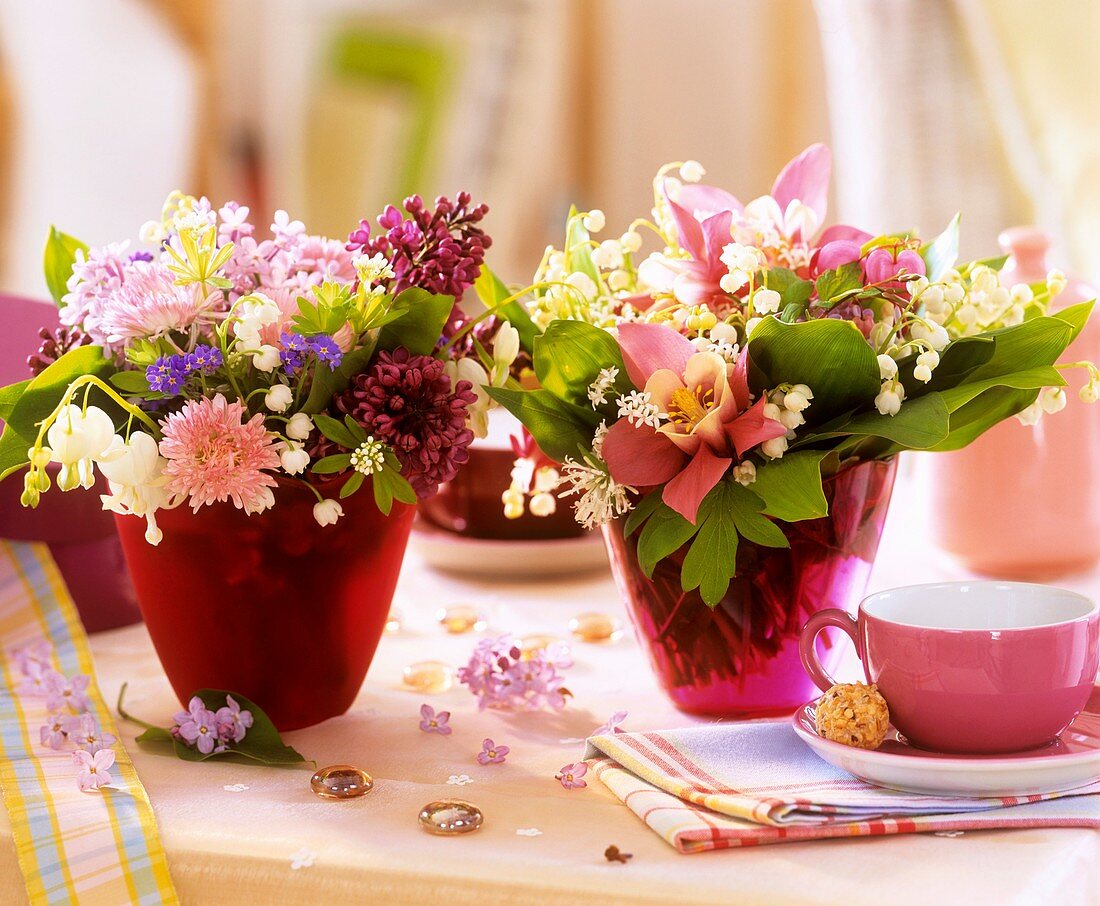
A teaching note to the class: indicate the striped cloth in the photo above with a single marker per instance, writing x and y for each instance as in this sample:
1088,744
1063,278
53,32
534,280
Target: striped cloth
723,786
73,847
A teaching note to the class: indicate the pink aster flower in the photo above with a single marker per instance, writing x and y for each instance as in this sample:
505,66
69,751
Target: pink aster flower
491,753
215,455
570,776
430,722
148,304
325,259
94,769
96,275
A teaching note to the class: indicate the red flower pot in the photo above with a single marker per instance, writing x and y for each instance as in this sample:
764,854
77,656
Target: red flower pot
740,658
273,606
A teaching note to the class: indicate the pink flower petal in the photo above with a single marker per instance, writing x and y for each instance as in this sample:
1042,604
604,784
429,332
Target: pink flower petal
706,200
640,456
752,428
686,491
841,231
688,228
649,347
739,381
807,179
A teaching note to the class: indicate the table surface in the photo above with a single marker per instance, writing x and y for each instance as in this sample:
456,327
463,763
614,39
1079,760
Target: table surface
238,846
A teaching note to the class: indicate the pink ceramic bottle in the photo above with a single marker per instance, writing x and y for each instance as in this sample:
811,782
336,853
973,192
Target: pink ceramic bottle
1024,502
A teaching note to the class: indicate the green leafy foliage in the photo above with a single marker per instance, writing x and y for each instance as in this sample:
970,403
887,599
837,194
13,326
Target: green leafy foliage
942,252
331,308
492,292
390,485
262,743
578,253
57,261
421,326
570,355
559,427
792,289
664,533
833,286
790,488
641,512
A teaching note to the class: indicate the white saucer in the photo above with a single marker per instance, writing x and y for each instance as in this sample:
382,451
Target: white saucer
449,552
1071,761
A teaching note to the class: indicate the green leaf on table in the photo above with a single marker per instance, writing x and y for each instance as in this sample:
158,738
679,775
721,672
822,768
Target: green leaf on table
641,512
58,259
560,428
664,533
420,328
829,355
942,252
491,291
790,488
569,356
832,285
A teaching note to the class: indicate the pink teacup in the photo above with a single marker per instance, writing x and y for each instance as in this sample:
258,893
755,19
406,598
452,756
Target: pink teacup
972,667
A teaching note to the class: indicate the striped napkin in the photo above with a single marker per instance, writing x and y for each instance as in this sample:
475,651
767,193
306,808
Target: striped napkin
723,786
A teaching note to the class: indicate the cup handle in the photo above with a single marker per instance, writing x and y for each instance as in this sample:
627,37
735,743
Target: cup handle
807,650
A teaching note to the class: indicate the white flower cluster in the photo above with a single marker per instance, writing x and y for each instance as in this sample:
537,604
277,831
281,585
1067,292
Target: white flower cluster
638,408
599,388
599,497
720,339
742,262
369,457
785,405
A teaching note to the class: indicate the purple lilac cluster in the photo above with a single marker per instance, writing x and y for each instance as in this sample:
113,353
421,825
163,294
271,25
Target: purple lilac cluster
298,348
502,675
170,372
211,732
55,343
70,722
439,249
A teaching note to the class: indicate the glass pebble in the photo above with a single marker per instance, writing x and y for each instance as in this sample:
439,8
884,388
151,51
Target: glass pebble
460,618
450,817
394,621
596,627
341,781
530,645
430,677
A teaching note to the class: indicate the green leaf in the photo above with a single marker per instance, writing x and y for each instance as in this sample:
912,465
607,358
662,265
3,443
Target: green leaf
920,425
327,383
665,533
831,356
58,259
491,291
745,507
130,381
355,429
389,485
958,360
9,396
353,484
1076,316
560,428
334,430
711,560
570,355
641,512
790,488
330,465
578,253
420,328
835,283
942,252
792,289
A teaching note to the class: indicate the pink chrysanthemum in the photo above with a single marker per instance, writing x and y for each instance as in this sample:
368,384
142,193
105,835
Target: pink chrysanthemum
149,304
215,455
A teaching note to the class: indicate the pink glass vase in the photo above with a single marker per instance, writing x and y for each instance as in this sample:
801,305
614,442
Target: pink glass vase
1023,502
740,659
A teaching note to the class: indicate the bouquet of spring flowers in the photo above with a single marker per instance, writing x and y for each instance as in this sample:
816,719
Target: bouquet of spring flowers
705,390
214,365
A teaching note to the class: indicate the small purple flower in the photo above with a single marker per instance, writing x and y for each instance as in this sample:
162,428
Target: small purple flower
295,350
326,350
570,776
52,733
491,753
612,725
168,374
37,680
206,359
84,732
233,723
141,256
38,653
430,722
94,768
199,727
503,676
62,692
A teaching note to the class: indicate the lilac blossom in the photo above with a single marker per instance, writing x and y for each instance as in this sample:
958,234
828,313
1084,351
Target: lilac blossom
94,768
198,726
52,733
83,731
233,723
570,776
62,692
37,679
501,675
491,753
612,725
430,722
37,653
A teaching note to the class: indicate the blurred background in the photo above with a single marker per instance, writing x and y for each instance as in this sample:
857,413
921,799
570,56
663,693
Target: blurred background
331,108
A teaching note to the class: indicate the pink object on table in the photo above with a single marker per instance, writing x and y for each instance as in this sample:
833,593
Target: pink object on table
972,667
1024,502
80,535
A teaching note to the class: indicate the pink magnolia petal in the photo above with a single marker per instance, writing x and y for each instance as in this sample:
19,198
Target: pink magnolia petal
716,236
686,491
639,456
649,347
752,428
707,200
807,179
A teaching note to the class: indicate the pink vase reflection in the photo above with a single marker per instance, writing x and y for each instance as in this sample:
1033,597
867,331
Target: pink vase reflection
741,659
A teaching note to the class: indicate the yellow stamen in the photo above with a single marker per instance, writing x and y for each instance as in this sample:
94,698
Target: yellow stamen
689,407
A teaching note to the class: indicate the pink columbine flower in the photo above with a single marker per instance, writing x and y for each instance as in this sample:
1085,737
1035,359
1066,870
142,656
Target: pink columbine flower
94,768
215,455
570,776
52,733
233,723
430,722
710,425
62,692
84,732
491,753
199,726
612,725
